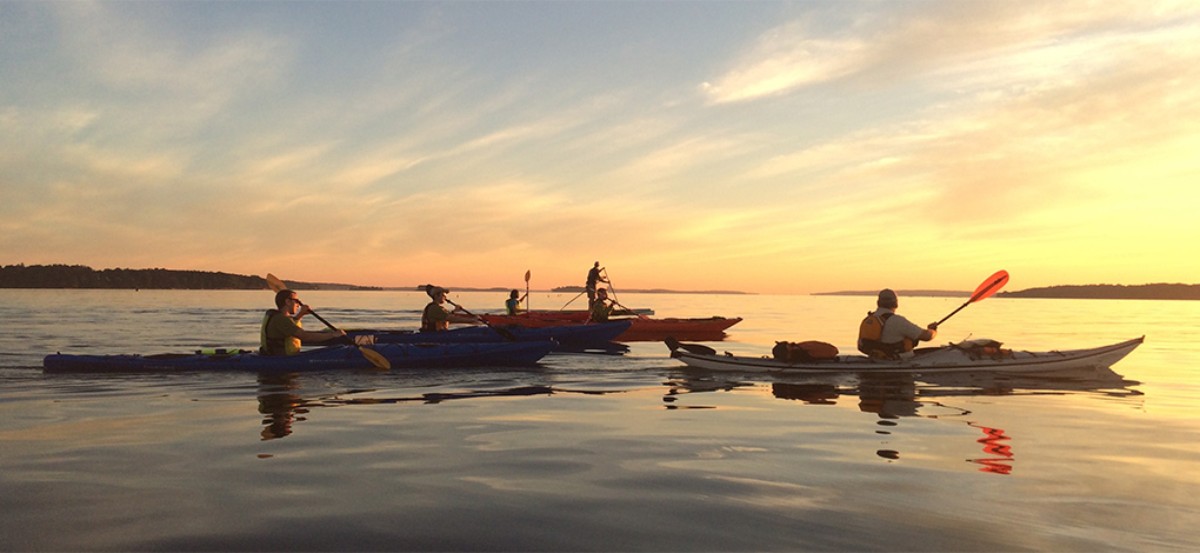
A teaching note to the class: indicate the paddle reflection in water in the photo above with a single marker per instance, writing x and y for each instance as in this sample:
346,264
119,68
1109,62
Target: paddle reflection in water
994,444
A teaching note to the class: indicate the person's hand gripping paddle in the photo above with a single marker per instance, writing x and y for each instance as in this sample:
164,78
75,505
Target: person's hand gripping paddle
985,290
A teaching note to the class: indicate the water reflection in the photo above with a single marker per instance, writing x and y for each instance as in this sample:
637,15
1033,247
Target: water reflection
995,444
892,397
282,402
281,405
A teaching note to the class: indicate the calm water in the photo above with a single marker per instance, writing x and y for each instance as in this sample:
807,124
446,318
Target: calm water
594,453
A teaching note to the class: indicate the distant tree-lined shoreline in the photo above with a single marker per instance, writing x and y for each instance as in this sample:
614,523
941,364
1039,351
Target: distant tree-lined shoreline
80,276
1158,291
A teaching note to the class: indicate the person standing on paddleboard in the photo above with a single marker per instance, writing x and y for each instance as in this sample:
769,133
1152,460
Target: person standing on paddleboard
282,333
593,279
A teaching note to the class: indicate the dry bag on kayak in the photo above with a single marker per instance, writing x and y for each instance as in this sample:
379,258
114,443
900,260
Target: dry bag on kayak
801,352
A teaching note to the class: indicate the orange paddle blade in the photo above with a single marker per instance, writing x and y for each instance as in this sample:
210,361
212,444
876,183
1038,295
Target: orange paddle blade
990,286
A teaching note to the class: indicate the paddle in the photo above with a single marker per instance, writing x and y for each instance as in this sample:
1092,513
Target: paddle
377,359
988,287
572,300
527,275
502,332
639,315
611,290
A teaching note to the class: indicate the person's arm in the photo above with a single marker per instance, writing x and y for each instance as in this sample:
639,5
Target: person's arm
319,336
928,333
314,336
462,318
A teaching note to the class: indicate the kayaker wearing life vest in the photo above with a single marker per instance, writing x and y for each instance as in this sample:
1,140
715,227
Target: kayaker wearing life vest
885,334
512,305
436,317
601,309
282,333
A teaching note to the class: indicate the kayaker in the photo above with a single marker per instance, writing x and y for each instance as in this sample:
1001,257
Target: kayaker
282,333
602,309
884,333
512,305
593,279
436,317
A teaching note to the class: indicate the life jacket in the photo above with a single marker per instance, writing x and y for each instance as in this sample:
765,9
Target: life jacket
600,312
870,332
429,323
276,345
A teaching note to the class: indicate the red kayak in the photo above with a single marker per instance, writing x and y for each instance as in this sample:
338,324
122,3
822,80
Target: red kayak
641,329
581,315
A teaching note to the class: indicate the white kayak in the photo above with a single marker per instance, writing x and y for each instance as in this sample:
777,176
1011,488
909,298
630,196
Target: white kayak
972,355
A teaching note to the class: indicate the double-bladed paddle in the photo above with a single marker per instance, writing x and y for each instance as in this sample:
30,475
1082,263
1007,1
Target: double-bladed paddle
377,359
988,287
502,332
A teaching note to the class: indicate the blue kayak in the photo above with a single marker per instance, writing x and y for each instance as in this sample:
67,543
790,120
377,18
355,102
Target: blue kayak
569,337
317,359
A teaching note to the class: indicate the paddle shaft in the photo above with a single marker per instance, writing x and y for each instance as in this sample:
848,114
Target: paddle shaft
320,318
527,275
618,304
572,300
988,287
960,308
506,334
611,290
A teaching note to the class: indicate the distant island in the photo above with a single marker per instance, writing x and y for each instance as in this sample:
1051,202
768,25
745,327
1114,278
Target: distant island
80,276
1158,291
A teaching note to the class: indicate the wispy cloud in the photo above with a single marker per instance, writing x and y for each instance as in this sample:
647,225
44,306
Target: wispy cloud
784,59
943,133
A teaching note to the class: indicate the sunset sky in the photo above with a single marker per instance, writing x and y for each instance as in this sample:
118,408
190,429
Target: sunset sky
772,147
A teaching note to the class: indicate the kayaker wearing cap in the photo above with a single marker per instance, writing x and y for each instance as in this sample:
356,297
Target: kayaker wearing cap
436,317
884,333
281,332
593,279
